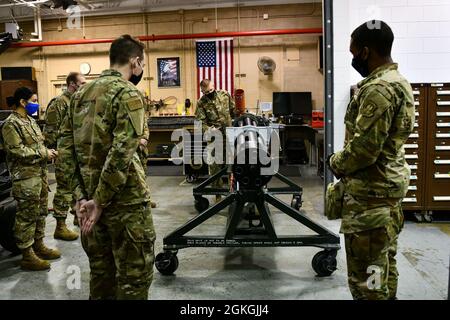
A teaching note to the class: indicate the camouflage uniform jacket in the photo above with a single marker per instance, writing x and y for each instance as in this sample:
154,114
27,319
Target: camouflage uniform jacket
54,116
379,120
99,141
23,142
215,112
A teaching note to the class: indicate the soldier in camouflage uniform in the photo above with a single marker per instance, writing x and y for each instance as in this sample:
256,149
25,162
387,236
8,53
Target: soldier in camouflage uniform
54,116
99,141
372,165
215,110
27,156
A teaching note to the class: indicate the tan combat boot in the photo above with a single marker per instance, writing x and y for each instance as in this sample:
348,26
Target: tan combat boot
63,233
43,252
32,262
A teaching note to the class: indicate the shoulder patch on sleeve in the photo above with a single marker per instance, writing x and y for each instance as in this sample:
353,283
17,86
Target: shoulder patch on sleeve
134,103
373,105
136,111
368,110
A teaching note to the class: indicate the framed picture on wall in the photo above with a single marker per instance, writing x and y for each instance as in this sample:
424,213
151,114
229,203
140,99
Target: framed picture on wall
168,72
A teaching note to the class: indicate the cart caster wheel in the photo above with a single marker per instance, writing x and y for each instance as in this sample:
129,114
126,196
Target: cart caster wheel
191,178
324,263
296,202
166,263
419,217
428,217
201,204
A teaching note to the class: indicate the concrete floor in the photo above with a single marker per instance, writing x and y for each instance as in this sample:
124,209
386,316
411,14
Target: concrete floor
250,273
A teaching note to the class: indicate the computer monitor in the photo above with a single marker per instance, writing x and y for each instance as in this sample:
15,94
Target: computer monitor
297,103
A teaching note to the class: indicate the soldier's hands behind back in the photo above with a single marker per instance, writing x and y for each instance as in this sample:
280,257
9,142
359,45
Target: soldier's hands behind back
78,208
90,214
52,154
143,142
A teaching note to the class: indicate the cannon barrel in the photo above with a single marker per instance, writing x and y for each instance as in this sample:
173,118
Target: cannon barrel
250,148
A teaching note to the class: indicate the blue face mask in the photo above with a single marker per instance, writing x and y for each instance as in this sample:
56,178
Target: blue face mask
32,108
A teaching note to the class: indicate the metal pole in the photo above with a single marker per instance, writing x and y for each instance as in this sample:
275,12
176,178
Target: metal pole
329,85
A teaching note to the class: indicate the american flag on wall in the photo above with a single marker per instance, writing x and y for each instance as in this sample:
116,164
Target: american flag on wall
215,62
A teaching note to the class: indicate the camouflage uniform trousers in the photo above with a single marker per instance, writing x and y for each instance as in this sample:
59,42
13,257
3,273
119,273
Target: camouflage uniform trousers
63,199
121,253
31,195
371,264
214,167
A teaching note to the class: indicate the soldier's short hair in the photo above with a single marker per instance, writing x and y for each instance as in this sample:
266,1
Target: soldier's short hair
124,48
21,93
72,77
205,83
376,35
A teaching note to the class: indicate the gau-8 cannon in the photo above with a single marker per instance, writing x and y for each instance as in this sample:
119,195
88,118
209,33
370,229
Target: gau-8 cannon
252,162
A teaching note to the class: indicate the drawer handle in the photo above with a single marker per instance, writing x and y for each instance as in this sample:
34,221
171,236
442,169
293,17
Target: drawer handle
444,198
416,135
411,156
443,125
441,161
443,114
413,167
443,103
409,200
442,135
413,178
416,92
411,146
416,103
416,125
442,148
442,175
443,92
412,188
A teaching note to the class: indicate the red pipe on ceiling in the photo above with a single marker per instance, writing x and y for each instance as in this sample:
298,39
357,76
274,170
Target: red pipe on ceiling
173,37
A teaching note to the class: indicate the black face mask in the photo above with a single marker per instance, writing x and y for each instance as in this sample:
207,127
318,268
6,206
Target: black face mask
211,95
136,79
362,66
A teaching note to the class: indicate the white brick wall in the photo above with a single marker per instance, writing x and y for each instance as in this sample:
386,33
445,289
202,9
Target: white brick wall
421,46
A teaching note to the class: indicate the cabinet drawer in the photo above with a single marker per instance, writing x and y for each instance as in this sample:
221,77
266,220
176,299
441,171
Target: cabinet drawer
442,176
410,200
441,162
411,157
411,146
440,154
441,198
442,135
440,166
442,148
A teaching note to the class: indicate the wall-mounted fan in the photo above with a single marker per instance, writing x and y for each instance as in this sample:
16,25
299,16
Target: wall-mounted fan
267,65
